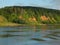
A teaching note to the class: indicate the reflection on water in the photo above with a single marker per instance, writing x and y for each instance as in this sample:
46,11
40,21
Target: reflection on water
30,35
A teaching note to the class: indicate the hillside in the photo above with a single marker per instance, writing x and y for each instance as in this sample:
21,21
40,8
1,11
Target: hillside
30,15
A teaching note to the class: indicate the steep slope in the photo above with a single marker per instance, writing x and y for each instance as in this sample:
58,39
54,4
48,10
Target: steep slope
30,15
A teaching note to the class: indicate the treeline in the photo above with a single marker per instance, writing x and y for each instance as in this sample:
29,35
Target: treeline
30,15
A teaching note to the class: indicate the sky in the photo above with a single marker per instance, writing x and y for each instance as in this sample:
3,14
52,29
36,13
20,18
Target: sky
54,4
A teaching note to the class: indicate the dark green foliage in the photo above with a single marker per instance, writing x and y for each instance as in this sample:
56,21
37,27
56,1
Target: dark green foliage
12,14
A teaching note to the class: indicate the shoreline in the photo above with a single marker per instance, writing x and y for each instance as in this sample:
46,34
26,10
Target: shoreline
9,24
16,24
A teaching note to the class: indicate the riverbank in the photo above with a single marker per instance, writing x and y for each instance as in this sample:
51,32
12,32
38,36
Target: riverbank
9,24
16,24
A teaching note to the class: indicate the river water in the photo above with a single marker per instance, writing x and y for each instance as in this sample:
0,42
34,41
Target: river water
30,35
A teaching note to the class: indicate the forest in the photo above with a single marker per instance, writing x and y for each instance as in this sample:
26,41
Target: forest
29,15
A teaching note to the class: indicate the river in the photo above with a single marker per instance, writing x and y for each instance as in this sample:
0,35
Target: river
30,35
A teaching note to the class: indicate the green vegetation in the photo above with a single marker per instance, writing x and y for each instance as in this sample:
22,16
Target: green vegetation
28,15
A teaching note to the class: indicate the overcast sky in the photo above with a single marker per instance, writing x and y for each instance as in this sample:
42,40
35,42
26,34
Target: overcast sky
55,4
